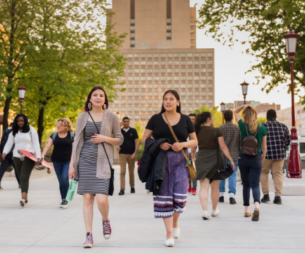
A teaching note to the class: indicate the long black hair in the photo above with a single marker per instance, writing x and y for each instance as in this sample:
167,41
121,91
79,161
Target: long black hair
175,93
86,108
26,126
201,119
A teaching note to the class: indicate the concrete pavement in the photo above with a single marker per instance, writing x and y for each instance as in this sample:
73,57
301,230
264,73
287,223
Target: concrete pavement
42,227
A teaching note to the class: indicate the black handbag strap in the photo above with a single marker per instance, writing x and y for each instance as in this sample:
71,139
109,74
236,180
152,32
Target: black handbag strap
102,142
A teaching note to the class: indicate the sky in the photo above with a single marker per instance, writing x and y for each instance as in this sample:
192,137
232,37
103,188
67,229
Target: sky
230,68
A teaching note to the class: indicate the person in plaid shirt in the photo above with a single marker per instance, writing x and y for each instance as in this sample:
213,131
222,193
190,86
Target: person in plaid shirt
232,137
278,140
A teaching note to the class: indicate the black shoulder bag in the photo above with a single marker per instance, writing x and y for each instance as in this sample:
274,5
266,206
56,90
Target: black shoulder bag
111,185
223,173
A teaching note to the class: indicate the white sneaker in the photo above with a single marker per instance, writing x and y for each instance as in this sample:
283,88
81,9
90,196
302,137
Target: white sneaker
170,242
215,212
206,215
22,202
176,232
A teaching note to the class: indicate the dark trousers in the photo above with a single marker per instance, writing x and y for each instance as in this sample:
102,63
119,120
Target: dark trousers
62,172
4,165
24,170
250,170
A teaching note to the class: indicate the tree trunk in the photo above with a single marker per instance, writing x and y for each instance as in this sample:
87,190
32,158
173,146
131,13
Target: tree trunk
40,124
6,108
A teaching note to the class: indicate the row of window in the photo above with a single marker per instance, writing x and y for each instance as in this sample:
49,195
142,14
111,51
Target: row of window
189,86
156,102
167,70
143,55
202,62
168,78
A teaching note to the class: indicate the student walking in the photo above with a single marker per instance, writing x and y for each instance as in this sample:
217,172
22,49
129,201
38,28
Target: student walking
97,130
232,138
23,137
193,183
8,158
172,200
61,155
278,140
208,161
250,165
128,153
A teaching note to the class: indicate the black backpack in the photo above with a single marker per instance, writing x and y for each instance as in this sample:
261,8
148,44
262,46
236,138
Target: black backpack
4,139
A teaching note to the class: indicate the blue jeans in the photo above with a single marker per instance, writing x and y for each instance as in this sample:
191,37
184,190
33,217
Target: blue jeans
232,181
4,165
250,170
62,172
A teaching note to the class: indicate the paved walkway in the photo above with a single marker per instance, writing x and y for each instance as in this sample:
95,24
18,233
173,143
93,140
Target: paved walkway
42,227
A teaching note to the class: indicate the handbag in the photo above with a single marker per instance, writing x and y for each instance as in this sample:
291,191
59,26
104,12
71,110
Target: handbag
189,163
223,172
111,184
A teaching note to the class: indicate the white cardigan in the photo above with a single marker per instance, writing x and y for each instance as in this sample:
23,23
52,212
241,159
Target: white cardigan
25,141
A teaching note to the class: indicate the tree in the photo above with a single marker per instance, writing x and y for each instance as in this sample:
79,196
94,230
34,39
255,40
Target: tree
261,120
140,129
264,22
68,56
214,111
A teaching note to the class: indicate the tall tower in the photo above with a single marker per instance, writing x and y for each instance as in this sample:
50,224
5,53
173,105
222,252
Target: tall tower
160,49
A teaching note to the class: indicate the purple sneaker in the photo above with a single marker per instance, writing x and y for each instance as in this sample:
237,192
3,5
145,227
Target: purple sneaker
89,241
107,229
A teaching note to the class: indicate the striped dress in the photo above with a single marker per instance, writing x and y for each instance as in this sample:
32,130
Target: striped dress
87,180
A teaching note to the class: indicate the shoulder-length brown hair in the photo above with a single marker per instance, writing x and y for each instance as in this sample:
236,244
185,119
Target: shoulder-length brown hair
250,118
86,108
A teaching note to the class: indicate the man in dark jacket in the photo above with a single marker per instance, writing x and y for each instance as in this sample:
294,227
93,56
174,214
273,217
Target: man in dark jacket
153,165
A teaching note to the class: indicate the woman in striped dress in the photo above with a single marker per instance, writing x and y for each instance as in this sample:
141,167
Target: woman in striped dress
89,163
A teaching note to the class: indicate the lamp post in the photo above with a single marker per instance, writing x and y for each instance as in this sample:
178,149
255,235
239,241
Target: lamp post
294,167
222,108
21,91
244,88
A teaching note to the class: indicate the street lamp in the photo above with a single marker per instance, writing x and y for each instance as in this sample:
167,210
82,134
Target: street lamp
222,108
21,91
244,87
294,167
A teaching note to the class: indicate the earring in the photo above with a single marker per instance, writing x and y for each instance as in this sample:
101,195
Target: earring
105,106
89,105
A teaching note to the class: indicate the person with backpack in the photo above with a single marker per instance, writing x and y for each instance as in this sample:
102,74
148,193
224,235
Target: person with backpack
252,154
23,137
61,156
9,158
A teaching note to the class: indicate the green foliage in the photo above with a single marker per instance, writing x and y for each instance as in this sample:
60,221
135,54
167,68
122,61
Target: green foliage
261,120
68,51
215,113
264,22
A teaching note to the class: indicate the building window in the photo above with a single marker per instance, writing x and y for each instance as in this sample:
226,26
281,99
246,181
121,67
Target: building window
190,78
210,70
189,62
168,27
169,78
169,70
210,78
132,28
132,35
136,55
176,54
192,37
168,21
189,70
196,77
129,63
182,62
210,54
196,62
162,62
162,55
192,31
202,86
149,63
169,55
202,62
196,70
182,70
143,55
129,55
156,78
203,77
176,62
169,62
143,78
210,62
192,44
203,70
192,23
182,54
189,54
149,55
136,70
143,62
156,55
202,54
129,78
196,54
176,78
156,70
136,63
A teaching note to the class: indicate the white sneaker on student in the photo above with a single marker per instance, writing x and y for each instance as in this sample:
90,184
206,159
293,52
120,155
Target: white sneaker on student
170,242
215,212
176,232
22,202
206,215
